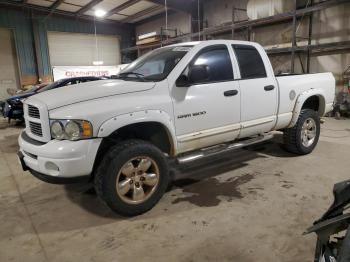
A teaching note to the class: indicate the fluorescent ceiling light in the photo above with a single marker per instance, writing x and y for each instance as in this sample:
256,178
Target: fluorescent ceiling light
97,63
144,36
100,13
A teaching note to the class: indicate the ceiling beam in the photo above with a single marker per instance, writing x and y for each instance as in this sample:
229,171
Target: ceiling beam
45,10
154,17
53,7
122,7
87,7
56,4
142,13
183,7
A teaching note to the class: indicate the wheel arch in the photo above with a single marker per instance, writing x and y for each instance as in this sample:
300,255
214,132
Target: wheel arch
311,99
316,103
154,126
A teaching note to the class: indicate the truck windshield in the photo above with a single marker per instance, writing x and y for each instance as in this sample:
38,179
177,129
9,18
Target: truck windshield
154,66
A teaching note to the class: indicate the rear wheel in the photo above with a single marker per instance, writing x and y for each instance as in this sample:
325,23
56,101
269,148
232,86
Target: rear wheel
303,137
132,177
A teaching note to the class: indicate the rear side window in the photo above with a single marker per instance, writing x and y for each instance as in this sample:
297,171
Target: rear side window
250,62
218,61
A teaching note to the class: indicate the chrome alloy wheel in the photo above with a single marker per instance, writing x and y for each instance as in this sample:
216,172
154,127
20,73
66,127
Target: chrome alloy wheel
308,132
137,180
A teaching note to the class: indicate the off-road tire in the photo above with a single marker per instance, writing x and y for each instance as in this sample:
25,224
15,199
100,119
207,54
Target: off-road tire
292,136
106,175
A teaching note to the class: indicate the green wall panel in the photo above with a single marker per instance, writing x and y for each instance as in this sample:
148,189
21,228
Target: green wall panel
29,25
20,22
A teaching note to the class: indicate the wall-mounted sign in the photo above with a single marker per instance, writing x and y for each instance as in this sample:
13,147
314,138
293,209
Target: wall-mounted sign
61,72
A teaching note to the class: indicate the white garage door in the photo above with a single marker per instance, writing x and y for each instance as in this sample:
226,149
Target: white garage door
73,49
8,64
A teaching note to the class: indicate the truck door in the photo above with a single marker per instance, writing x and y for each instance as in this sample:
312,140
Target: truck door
207,109
259,91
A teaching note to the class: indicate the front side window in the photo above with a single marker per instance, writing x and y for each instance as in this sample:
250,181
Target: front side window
216,61
156,65
250,62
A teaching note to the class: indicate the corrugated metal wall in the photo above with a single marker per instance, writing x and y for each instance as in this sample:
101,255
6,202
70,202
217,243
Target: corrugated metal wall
30,29
21,24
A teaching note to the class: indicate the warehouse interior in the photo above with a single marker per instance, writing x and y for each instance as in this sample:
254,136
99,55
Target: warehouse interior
250,205
317,38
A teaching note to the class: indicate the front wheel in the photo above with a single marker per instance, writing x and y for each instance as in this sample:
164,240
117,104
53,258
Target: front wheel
132,177
303,137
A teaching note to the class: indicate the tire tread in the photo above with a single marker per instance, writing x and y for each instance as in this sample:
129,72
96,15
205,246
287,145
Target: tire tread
291,136
101,179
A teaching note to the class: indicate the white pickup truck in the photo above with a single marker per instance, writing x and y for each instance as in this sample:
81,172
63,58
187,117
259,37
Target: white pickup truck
185,101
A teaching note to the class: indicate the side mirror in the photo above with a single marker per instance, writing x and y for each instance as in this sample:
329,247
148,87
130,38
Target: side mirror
198,73
183,81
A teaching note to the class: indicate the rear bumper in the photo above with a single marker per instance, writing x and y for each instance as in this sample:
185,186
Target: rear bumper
58,161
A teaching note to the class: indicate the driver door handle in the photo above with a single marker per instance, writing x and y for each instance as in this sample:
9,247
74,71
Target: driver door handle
230,92
269,88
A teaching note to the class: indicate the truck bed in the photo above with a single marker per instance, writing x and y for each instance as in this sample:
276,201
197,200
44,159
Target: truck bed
291,86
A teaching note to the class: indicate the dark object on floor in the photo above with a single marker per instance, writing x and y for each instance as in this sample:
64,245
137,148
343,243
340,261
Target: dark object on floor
330,246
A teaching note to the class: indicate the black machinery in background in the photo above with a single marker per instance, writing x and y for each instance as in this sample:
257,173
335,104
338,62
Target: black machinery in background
342,100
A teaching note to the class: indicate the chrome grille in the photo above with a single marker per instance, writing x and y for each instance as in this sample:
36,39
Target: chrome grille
35,128
33,111
37,121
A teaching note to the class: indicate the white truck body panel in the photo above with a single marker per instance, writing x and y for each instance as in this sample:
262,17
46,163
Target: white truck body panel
99,111
265,103
292,88
87,91
212,126
195,117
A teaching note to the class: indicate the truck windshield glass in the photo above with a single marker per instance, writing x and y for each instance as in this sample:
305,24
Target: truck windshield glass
154,66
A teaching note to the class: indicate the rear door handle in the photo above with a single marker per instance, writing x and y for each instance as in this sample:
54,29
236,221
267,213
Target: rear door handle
269,88
230,92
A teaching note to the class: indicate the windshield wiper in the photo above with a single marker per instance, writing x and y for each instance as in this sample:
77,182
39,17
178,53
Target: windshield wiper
138,75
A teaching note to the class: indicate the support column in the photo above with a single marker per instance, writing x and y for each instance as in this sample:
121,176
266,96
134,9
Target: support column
309,40
197,18
39,67
294,40
41,51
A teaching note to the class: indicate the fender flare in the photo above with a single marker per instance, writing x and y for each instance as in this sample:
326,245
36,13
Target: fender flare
158,116
301,100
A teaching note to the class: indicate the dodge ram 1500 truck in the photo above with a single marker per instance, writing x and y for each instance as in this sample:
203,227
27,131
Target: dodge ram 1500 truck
185,102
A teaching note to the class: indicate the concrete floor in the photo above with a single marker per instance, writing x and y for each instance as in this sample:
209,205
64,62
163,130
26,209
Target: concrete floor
249,206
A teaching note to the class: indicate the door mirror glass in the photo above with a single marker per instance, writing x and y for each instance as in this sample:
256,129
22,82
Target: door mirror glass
198,74
183,81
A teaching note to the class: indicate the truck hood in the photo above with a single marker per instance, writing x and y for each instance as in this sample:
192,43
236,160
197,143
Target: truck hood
90,90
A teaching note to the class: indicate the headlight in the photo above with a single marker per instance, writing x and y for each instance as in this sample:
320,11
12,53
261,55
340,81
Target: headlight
57,130
71,129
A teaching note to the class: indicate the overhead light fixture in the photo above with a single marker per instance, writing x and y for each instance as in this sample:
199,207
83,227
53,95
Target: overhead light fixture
144,36
100,13
96,63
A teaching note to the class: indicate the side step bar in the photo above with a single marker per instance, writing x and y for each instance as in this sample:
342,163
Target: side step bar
222,148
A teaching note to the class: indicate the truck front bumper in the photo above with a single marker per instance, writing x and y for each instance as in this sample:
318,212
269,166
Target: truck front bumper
58,161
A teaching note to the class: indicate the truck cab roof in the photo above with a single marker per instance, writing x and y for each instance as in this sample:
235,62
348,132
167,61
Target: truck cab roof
215,42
